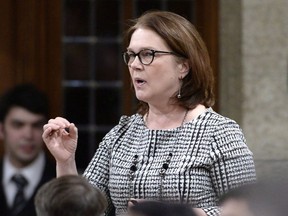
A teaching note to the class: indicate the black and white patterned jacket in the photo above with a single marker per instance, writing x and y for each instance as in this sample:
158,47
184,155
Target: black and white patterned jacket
209,157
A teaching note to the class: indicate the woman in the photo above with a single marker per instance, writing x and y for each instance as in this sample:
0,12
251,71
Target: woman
176,147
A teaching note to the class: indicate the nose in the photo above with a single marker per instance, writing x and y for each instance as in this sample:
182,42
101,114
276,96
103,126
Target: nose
136,63
28,132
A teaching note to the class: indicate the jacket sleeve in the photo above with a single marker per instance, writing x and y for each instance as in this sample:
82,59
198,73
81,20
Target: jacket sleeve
98,169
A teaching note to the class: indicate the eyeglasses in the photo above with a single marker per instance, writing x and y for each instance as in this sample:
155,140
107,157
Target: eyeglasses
146,56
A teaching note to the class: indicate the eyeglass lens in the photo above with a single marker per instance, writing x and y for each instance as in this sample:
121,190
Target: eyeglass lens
145,57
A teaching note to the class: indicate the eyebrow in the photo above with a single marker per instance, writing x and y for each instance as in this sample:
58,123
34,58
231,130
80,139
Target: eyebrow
142,48
40,121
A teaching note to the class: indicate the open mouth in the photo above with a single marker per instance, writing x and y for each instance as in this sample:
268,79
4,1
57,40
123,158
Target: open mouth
140,81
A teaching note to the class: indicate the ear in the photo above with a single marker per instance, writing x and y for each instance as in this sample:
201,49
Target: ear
184,68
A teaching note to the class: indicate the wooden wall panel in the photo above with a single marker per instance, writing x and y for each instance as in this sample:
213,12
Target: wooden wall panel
207,19
127,92
30,46
7,35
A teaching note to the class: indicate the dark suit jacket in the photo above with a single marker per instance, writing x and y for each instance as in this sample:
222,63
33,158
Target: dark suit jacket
29,209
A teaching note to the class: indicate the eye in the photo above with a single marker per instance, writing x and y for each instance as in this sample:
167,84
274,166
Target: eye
146,53
17,124
131,54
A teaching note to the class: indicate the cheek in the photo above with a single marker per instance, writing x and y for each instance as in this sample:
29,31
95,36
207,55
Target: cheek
12,134
11,139
168,78
130,71
38,134
162,73
1,135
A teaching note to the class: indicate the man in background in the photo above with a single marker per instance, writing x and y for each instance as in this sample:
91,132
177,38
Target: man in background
24,166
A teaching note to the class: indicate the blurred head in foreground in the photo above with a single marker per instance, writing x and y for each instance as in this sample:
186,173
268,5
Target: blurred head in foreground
70,195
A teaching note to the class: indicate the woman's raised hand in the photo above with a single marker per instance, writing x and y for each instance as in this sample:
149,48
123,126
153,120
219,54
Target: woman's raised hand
60,137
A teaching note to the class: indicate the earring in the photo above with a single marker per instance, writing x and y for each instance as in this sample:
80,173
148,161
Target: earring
179,91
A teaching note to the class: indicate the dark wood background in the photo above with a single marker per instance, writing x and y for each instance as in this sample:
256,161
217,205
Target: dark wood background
30,46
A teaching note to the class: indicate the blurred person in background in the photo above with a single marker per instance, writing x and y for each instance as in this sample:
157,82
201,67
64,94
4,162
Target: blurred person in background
264,198
24,166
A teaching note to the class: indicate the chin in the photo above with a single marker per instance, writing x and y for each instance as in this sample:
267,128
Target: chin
27,160
141,98
28,157
144,95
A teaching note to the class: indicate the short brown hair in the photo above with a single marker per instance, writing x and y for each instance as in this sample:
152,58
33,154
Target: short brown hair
182,38
69,195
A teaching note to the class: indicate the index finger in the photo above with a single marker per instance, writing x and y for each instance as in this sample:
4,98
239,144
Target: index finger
61,122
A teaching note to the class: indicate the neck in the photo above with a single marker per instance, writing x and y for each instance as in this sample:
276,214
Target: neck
167,118
171,117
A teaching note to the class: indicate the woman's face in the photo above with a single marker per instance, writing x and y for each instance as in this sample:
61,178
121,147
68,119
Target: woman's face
157,82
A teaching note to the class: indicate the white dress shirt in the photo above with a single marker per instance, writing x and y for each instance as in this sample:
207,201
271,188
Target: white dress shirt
32,173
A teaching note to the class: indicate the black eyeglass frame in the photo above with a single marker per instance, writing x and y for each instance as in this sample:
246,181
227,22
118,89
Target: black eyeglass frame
153,55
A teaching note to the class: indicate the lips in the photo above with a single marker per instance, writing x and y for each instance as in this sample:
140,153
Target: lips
27,149
139,82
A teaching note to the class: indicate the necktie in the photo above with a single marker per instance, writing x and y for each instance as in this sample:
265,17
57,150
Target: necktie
19,200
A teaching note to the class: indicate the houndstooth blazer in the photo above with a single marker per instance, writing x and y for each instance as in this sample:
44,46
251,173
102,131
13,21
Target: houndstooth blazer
209,156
